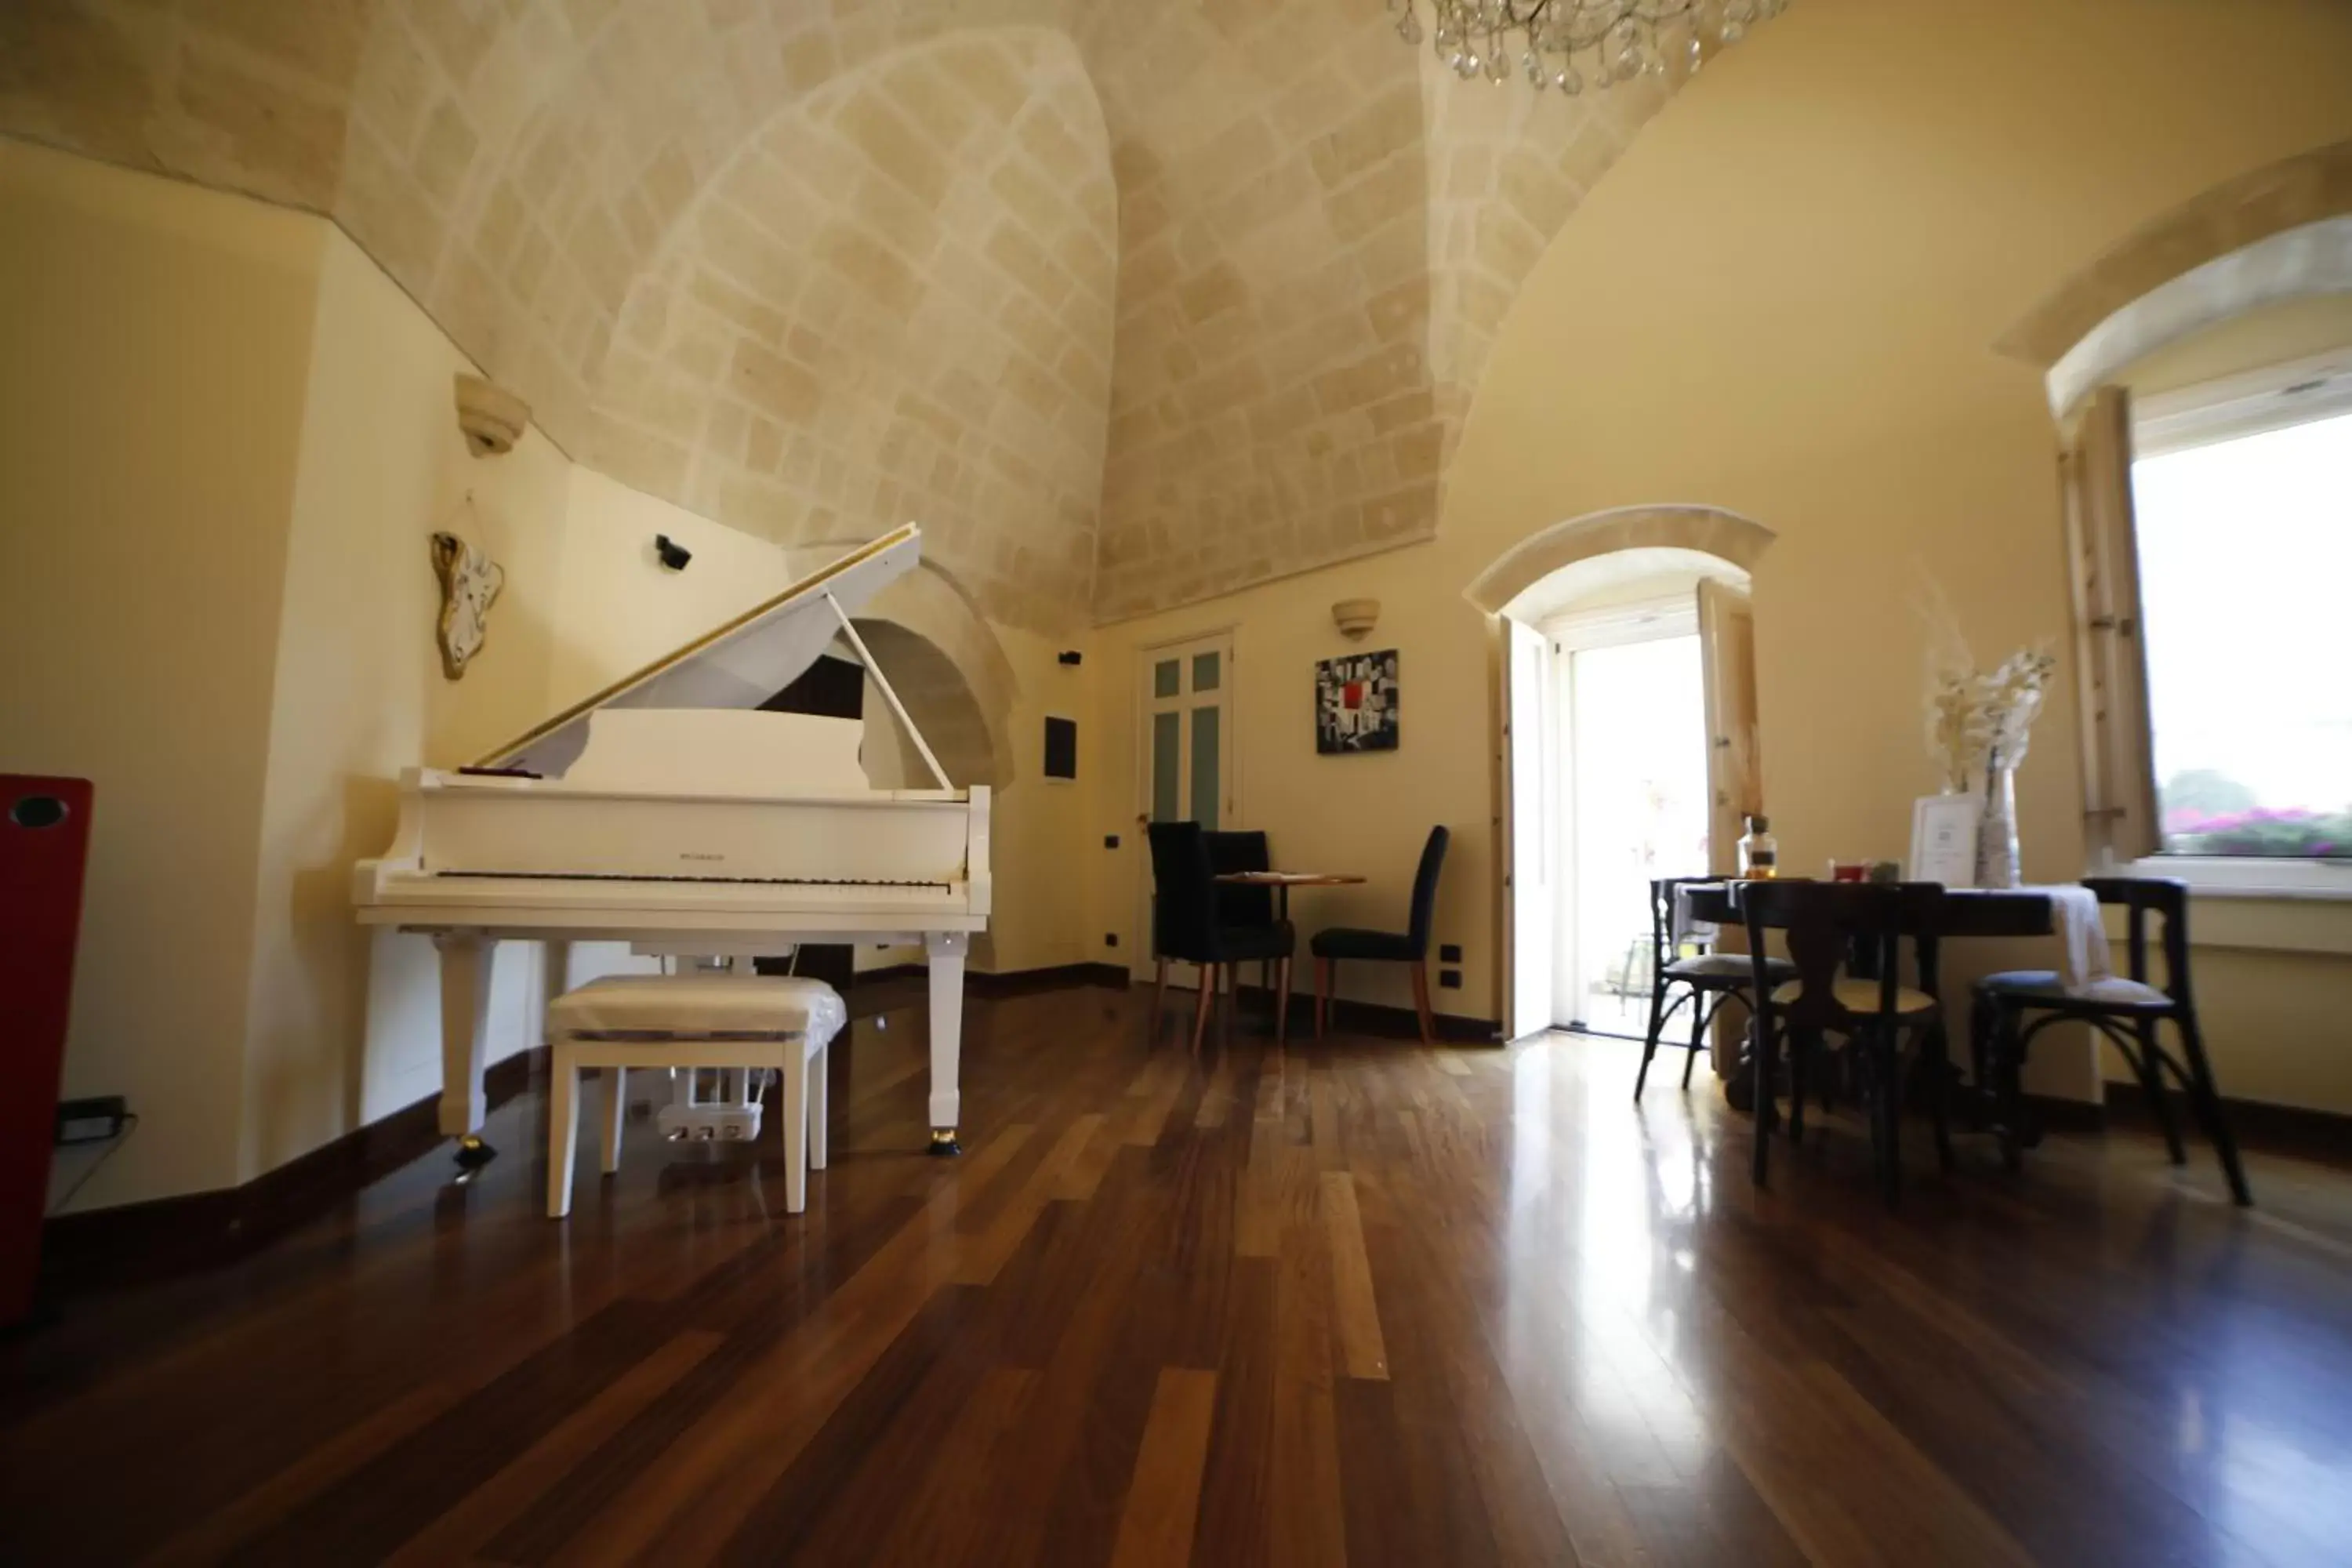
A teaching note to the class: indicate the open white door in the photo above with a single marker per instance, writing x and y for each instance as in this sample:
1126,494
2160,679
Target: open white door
1727,648
1527,734
1735,769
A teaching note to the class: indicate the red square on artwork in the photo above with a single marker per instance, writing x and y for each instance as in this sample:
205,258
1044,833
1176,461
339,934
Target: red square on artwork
1352,694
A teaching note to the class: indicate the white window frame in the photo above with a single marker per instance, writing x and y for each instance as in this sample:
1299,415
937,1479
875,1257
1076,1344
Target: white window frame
2225,409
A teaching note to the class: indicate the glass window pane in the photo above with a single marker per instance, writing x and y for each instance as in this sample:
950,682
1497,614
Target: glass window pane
1165,677
1206,795
1167,735
1205,672
2241,545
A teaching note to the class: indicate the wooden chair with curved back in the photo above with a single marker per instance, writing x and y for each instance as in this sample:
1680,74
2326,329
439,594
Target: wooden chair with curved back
2126,1011
1826,926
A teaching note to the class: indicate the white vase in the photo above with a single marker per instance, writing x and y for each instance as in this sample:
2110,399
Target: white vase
1997,852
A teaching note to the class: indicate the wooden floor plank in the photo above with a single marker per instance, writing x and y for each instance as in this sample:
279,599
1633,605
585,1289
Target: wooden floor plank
1358,1312
1155,1529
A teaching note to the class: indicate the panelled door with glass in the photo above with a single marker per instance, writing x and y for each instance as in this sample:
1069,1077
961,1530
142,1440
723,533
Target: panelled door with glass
1188,762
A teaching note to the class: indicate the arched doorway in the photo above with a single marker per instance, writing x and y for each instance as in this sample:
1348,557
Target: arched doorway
1627,745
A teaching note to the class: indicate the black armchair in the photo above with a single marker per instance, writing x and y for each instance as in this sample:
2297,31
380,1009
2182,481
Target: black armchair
1410,946
1189,923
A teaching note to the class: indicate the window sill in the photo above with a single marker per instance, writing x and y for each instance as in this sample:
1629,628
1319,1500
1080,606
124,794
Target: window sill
2246,877
2259,906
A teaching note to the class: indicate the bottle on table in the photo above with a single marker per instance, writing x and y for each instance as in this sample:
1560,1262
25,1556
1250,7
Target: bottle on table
1760,852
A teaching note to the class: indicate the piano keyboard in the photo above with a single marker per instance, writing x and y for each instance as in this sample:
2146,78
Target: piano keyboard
742,881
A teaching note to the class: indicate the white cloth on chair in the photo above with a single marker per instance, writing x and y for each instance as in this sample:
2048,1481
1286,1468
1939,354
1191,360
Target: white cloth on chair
699,1006
2084,965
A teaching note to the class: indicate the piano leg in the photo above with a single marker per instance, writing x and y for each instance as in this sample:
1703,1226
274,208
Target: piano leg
946,951
465,1040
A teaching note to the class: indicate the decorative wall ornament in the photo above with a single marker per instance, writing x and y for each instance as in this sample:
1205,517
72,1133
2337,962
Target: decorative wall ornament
470,582
492,419
1356,617
1556,41
1356,703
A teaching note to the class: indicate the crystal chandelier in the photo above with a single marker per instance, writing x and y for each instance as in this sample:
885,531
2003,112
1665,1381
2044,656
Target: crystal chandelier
1568,43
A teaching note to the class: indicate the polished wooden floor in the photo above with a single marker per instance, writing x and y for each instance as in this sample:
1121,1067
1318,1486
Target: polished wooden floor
1357,1301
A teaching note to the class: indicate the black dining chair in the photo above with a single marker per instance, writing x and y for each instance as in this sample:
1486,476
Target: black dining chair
2126,1011
1410,946
1827,924
1700,973
1187,924
1241,849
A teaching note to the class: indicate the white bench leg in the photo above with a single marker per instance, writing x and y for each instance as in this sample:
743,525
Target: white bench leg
563,1132
796,1109
816,1112
616,1108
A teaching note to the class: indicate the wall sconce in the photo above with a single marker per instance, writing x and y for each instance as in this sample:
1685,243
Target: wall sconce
1356,617
492,419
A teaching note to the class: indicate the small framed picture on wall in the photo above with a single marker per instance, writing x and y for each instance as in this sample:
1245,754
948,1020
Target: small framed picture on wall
1356,703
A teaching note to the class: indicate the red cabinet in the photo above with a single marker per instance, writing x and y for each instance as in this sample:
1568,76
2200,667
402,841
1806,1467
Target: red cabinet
44,846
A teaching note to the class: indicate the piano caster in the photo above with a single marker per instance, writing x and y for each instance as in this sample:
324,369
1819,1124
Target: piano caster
943,1143
473,1153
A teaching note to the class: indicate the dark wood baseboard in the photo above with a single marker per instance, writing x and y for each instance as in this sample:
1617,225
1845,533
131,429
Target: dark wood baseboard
2322,1135
134,1242
2291,1130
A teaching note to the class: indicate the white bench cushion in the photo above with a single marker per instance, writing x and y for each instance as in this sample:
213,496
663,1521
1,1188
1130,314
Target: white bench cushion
699,1006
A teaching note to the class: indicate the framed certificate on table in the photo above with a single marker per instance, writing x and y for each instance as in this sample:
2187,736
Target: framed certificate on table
1944,839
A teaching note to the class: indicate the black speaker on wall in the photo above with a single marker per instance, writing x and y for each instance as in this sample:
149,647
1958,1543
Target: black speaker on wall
1060,747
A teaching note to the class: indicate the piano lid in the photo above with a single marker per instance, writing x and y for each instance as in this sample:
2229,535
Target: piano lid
740,665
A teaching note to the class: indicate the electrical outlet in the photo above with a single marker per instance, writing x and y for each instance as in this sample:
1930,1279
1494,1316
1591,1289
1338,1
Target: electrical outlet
91,1121
1110,840
1449,979
1449,953
1110,939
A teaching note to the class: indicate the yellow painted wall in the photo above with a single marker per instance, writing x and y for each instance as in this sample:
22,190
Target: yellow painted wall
157,338
360,694
1366,814
1782,301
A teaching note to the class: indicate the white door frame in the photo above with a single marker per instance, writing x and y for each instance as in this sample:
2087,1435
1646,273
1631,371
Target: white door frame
1647,620
1529,723
1223,640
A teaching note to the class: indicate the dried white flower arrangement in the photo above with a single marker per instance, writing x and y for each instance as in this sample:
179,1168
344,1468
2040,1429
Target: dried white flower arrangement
1980,721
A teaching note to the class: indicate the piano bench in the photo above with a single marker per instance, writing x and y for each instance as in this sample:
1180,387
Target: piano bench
747,1021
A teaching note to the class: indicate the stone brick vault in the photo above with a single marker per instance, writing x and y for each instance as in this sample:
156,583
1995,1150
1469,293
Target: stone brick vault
1129,303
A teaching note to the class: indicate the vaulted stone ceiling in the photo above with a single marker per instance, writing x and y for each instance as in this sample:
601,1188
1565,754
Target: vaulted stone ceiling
1130,303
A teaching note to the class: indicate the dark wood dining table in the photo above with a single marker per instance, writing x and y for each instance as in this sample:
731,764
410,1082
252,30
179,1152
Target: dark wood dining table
1966,912
1963,912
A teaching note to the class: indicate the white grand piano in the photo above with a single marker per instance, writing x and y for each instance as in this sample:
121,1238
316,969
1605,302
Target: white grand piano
668,813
